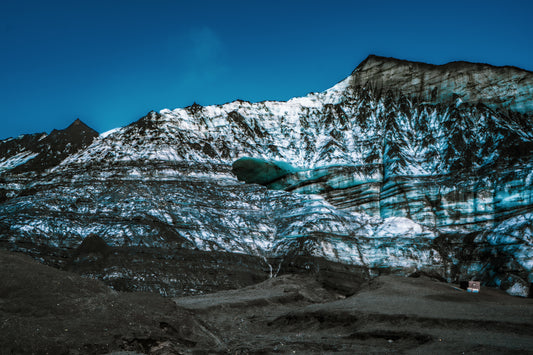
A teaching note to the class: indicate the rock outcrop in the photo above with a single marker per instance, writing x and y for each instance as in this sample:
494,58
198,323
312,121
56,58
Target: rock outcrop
497,87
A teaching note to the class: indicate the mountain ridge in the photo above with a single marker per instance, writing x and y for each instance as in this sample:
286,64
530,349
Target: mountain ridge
496,86
451,63
47,151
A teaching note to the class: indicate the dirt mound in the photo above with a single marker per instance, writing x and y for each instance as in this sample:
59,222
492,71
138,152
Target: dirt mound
47,311
93,244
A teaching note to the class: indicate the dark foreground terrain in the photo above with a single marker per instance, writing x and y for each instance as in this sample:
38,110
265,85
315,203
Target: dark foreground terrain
294,314
47,311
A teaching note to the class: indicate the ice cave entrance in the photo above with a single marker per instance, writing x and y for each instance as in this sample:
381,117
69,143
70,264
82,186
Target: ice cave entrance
260,171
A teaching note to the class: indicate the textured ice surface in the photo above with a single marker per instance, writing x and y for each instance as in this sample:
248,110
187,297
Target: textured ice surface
380,180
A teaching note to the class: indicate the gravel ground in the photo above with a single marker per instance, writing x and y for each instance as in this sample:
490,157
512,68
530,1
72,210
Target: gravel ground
47,311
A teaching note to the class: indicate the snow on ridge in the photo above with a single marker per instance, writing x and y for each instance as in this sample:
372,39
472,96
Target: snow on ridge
289,108
110,132
334,94
16,160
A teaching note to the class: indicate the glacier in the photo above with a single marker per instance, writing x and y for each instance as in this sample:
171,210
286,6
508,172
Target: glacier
386,176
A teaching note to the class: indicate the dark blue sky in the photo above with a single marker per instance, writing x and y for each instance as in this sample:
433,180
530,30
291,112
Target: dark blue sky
110,62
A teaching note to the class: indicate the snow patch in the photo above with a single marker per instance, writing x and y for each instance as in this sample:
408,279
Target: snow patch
110,132
518,289
16,160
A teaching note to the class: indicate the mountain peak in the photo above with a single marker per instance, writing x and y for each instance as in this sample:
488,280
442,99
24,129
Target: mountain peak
378,58
45,151
79,124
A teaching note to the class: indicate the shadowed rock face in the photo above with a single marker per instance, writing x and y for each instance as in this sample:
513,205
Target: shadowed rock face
382,182
496,87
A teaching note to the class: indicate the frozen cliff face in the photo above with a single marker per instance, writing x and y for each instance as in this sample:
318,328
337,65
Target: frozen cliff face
356,174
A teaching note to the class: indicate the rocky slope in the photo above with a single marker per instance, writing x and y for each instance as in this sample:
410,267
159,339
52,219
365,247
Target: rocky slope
371,173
